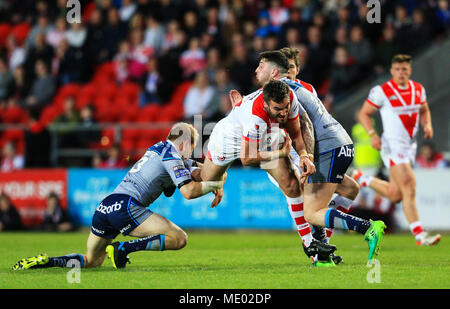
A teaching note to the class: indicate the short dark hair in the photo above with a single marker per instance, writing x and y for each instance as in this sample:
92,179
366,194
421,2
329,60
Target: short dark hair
401,58
277,58
291,53
276,91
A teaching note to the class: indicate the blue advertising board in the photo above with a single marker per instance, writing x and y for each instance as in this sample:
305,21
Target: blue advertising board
250,201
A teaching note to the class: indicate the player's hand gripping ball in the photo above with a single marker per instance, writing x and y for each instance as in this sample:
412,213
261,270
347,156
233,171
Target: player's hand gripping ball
275,138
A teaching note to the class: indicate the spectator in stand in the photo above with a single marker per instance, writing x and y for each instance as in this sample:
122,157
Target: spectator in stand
154,34
170,36
42,27
402,25
121,62
213,26
56,33
65,125
340,37
264,26
55,218
242,68
6,81
420,31
360,50
213,63
198,96
429,157
76,35
89,132
385,50
16,54
95,48
127,10
139,55
68,65
22,85
443,15
9,216
168,11
155,89
278,14
114,32
40,51
344,73
114,159
192,26
193,60
216,109
295,22
11,160
42,88
319,59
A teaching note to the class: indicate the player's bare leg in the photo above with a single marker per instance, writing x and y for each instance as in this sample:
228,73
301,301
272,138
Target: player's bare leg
156,233
95,253
348,188
403,176
388,189
211,171
175,237
284,173
317,195
316,198
401,187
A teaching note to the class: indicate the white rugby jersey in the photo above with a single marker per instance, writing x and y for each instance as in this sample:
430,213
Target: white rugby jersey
399,109
248,120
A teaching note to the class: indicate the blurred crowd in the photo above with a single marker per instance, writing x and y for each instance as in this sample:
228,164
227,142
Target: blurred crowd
160,44
54,217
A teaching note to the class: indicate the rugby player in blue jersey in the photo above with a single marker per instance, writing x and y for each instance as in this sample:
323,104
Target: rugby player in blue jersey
164,167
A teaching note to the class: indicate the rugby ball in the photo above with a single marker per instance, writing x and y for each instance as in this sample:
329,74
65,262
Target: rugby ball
275,138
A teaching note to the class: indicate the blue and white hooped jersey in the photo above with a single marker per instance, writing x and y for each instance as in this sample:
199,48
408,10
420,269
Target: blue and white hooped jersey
160,169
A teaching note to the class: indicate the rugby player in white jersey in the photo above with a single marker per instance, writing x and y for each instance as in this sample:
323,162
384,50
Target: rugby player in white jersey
241,133
163,168
403,105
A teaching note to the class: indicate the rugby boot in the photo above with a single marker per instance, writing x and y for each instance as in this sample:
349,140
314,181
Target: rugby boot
373,236
428,240
32,262
117,255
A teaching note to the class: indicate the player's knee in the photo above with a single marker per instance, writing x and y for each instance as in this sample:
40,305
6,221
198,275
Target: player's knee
395,196
181,240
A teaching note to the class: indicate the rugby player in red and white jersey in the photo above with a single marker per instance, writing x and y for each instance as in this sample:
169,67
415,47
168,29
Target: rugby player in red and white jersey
240,134
402,104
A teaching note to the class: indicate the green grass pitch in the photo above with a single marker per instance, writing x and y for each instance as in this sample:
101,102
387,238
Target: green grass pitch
223,260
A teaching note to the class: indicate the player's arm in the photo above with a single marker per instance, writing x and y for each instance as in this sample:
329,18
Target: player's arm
307,129
365,119
425,120
251,156
194,189
295,133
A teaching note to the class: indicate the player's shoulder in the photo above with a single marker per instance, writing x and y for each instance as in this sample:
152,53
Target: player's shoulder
166,150
417,85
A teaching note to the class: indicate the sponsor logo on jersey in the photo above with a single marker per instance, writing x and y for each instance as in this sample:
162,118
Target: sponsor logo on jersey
346,151
109,209
393,98
180,171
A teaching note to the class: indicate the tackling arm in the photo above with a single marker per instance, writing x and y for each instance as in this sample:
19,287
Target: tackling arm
307,134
